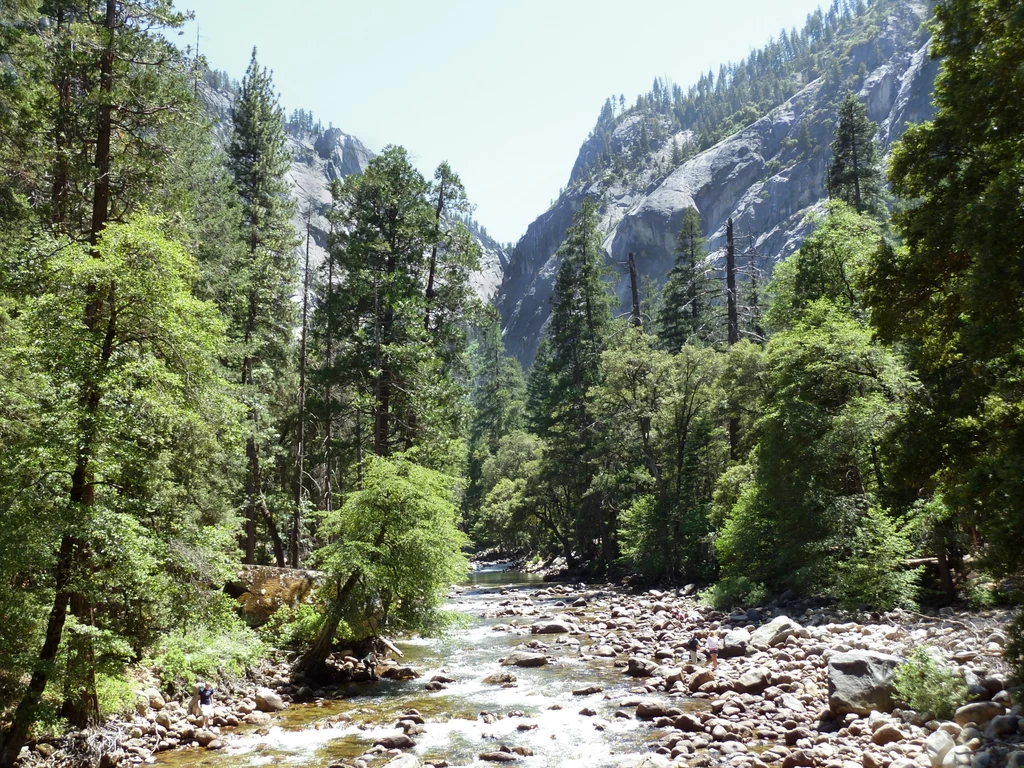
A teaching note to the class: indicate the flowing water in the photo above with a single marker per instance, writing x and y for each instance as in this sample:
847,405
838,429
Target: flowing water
319,734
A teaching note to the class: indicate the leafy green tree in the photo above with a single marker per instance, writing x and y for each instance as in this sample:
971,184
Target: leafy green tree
685,314
264,314
855,176
951,296
142,404
395,550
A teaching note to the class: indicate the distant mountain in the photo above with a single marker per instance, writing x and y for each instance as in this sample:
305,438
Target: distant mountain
319,156
752,145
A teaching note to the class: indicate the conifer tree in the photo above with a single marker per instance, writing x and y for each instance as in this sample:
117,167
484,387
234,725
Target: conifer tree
855,176
685,313
264,312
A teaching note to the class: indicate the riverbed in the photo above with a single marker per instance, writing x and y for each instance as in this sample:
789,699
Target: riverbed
468,717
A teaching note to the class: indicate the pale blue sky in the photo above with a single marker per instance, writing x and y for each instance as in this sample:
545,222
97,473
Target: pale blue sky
505,90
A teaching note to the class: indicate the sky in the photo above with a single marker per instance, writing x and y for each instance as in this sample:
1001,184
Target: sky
505,90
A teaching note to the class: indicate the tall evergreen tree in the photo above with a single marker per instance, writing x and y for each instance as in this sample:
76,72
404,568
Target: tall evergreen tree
953,294
264,315
855,175
685,313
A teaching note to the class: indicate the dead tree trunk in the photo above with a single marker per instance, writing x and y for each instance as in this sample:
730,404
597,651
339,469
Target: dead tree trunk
634,317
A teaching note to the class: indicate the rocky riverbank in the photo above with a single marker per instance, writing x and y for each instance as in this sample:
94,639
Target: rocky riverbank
795,687
812,689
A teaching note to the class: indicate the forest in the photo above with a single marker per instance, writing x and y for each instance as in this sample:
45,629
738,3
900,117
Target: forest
180,394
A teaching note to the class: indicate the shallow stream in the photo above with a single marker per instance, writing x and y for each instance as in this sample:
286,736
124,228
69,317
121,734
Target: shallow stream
319,734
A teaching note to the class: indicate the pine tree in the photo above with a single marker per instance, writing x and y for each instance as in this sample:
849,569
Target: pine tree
265,314
685,314
854,173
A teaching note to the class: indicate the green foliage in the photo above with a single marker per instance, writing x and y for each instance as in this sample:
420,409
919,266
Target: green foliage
219,652
294,627
951,295
686,302
854,175
872,571
733,592
1014,653
927,685
116,694
397,542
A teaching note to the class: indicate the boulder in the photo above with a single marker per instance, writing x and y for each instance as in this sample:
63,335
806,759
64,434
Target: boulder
861,681
604,651
588,691
404,761
204,737
154,699
257,718
734,644
753,680
936,746
498,757
398,741
499,678
268,701
979,712
524,659
641,667
400,673
648,709
775,631
699,678
550,628
886,734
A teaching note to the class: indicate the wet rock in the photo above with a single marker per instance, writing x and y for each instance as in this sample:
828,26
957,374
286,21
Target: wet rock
268,701
861,681
775,631
550,628
978,712
588,691
524,659
498,757
648,709
499,678
433,685
257,718
215,744
205,737
604,651
400,673
405,761
588,712
398,741
641,667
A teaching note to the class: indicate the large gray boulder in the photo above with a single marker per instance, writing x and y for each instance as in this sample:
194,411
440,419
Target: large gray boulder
524,659
268,701
735,643
775,631
641,667
861,681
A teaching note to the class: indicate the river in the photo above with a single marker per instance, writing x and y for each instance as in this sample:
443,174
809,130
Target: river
320,734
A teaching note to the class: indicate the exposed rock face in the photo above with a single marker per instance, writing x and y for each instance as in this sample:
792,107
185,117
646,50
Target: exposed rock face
262,589
758,177
861,681
319,159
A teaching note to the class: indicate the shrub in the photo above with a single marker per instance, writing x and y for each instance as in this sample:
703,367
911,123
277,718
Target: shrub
874,574
733,591
1014,654
292,627
115,693
207,652
928,685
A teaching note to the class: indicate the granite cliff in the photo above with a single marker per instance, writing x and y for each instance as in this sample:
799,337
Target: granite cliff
767,176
